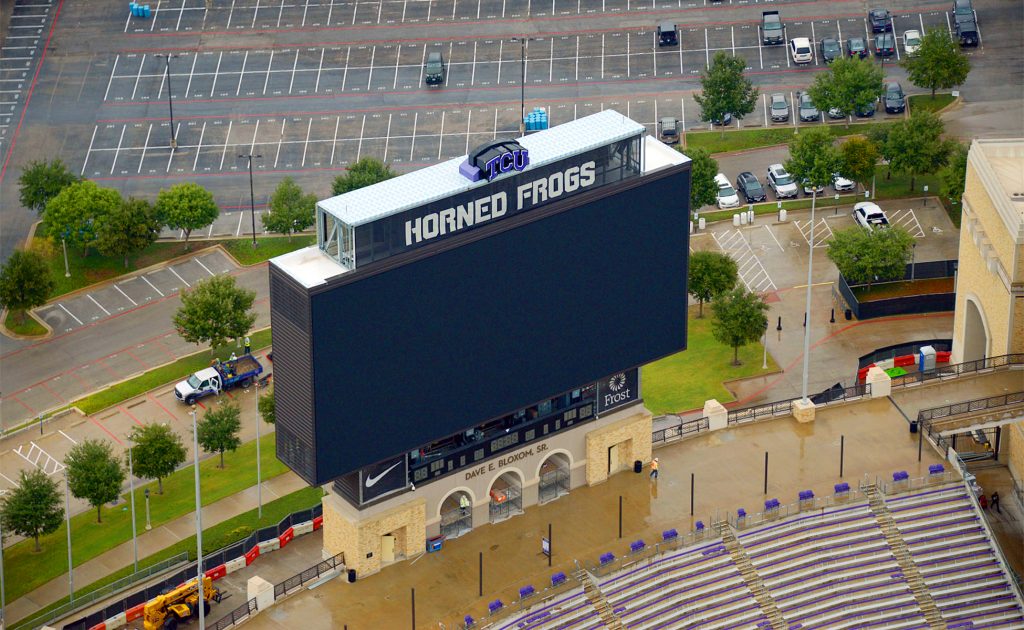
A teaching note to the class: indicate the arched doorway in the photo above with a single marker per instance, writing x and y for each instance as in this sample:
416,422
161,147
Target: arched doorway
554,477
506,495
975,332
456,514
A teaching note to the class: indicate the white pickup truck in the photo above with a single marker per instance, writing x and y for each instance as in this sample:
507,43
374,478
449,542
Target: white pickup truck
217,378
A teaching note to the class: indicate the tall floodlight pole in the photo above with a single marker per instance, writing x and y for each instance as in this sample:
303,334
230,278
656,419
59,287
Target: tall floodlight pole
170,102
259,477
252,195
522,81
67,525
3,592
201,605
131,493
807,307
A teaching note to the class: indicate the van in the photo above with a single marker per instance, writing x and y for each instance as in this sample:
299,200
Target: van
669,130
667,34
433,69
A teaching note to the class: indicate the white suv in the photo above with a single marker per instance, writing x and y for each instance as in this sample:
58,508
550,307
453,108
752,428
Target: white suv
727,196
782,182
800,50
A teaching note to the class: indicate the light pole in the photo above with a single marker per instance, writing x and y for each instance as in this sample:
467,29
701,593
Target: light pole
170,102
259,484
764,361
64,245
201,604
3,593
252,195
67,525
522,81
149,525
131,493
807,308
913,259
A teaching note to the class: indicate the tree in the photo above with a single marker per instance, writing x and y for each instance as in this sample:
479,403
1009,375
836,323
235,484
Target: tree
724,89
33,509
740,318
215,310
849,84
954,176
813,158
41,181
938,63
94,474
290,210
711,274
25,282
867,256
72,214
126,230
218,430
703,189
859,157
363,173
186,206
266,407
916,147
157,452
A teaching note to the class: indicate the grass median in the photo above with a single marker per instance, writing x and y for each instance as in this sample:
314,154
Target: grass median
21,323
215,537
267,247
746,139
25,570
926,102
686,380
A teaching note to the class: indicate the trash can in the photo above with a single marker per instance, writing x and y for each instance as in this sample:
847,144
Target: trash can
435,544
913,426
351,576
849,314
638,466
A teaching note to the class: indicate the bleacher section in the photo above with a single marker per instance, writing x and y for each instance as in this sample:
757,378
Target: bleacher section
830,567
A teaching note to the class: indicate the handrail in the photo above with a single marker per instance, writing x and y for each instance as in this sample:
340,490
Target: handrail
970,406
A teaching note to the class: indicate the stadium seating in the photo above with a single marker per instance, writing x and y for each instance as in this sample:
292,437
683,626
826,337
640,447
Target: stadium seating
828,568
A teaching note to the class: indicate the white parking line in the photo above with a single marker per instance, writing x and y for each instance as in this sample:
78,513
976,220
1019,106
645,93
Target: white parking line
238,228
64,308
118,150
113,71
94,129
126,296
199,149
151,285
772,234
200,263
73,440
97,304
171,269
145,145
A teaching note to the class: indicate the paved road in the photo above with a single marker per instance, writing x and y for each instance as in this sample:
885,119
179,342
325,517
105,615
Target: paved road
312,86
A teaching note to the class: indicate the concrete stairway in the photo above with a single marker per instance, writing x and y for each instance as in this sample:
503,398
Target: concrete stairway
750,576
907,565
598,601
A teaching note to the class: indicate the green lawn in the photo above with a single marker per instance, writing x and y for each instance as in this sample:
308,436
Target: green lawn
25,570
215,537
164,374
771,207
925,101
27,326
744,139
267,247
686,380
898,186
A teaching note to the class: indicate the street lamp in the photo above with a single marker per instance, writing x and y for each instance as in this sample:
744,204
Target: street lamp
807,311
764,361
201,603
522,80
170,103
131,493
3,593
259,484
149,525
67,525
252,195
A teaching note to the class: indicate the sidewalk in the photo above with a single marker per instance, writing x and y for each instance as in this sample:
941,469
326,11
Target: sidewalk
151,542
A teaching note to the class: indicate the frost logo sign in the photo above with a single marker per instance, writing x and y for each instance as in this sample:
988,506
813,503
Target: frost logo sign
618,390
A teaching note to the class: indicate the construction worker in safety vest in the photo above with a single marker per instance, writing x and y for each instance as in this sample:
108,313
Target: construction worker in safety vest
654,468
464,504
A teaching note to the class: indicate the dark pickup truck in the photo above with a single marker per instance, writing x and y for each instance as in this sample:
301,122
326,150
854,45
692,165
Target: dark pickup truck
771,28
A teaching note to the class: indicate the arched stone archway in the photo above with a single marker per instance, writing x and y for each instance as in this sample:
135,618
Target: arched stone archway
506,495
976,337
456,512
553,474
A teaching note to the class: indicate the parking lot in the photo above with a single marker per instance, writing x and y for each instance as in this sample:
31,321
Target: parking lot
19,53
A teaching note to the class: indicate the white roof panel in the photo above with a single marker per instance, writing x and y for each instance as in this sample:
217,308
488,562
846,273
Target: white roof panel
441,181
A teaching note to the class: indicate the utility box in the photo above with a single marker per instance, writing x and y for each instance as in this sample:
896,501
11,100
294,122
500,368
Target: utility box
926,359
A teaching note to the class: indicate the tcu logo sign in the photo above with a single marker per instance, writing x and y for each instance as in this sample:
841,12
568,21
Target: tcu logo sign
492,159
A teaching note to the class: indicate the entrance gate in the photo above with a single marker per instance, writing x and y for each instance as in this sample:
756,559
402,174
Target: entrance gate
554,478
506,497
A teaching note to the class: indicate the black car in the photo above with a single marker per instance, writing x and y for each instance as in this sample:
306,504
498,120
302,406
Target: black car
668,34
830,49
856,47
881,21
962,8
895,101
865,112
807,109
725,120
967,31
885,45
748,185
433,69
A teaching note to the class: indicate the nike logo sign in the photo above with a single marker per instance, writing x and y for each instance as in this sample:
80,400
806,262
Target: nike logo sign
372,481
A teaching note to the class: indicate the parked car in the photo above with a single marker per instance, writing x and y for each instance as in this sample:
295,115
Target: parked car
727,197
779,107
433,69
724,121
841,184
800,50
866,111
911,41
962,8
885,45
668,34
830,49
809,190
752,190
836,114
808,112
856,47
669,132
782,182
869,216
967,32
771,28
880,20
895,101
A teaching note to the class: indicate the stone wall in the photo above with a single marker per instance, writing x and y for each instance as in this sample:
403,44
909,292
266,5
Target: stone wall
632,433
360,539
1012,445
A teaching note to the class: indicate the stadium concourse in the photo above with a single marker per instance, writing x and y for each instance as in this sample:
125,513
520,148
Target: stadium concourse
728,469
